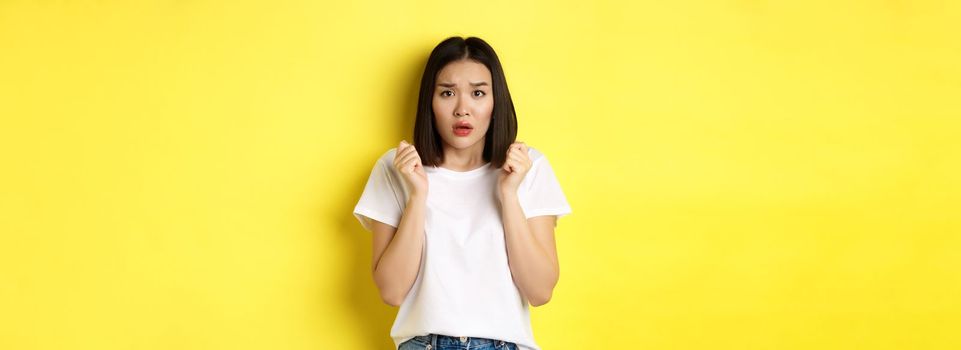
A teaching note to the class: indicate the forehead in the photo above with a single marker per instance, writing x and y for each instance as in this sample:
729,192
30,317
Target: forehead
463,72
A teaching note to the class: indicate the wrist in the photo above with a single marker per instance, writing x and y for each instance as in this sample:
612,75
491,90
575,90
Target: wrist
417,198
508,195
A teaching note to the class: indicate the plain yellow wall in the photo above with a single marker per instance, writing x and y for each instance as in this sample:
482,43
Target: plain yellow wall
743,174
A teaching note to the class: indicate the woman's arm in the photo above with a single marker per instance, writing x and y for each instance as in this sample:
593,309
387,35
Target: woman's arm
531,250
397,252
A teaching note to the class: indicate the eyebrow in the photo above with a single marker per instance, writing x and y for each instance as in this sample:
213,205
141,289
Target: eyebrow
450,85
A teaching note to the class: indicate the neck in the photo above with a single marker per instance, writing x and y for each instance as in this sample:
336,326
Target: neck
464,159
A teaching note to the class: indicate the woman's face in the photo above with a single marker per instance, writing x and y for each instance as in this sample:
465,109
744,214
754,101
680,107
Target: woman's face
463,102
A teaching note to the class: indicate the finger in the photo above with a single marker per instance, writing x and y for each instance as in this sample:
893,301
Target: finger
519,157
404,152
401,152
518,146
519,149
410,165
511,148
510,165
407,150
406,147
415,156
410,157
399,159
415,164
520,163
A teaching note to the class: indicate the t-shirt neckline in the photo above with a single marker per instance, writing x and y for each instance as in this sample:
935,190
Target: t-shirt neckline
453,173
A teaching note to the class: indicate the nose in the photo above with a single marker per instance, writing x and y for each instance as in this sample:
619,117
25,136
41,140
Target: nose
460,109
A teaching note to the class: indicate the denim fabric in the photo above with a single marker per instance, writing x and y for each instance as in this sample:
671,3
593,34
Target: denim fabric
443,342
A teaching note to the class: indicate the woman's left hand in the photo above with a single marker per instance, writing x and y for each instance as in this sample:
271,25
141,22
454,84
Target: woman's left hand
514,169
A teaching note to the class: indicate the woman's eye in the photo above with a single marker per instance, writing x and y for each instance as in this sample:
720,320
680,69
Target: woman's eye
446,93
479,93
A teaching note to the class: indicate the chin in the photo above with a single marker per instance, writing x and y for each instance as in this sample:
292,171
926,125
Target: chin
460,143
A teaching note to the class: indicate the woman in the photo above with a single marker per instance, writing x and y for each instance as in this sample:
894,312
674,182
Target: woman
463,220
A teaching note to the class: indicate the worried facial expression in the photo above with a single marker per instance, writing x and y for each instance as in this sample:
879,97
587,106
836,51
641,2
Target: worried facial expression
463,103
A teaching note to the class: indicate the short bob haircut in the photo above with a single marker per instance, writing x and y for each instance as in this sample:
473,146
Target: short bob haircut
503,126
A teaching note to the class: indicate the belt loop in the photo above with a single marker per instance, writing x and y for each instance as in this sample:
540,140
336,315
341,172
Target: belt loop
433,340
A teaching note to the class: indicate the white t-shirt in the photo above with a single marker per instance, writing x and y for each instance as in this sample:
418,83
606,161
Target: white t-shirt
464,286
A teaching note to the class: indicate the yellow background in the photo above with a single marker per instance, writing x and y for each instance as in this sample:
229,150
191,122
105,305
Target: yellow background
743,174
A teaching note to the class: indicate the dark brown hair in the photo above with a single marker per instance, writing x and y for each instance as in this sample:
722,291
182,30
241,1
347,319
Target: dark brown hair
503,126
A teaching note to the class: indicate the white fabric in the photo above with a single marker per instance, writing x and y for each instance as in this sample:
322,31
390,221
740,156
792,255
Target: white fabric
464,286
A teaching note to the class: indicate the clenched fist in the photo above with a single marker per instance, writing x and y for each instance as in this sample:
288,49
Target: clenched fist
516,166
408,164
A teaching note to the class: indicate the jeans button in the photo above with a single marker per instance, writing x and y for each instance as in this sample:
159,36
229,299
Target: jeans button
463,339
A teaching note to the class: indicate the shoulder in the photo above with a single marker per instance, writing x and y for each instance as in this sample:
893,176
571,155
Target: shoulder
387,158
535,154
385,162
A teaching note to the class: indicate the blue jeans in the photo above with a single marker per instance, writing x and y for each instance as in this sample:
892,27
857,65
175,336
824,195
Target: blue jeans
443,342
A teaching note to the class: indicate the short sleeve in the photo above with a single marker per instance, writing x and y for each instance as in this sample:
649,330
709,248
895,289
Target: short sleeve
381,199
543,194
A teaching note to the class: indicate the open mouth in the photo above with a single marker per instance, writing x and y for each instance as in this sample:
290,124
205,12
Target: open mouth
462,129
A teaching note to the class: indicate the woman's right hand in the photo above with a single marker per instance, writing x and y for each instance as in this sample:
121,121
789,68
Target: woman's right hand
408,164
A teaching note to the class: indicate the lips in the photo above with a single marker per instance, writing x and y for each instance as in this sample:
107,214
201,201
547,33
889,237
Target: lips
462,125
463,128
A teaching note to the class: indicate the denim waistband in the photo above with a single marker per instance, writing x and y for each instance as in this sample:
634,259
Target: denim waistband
438,340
